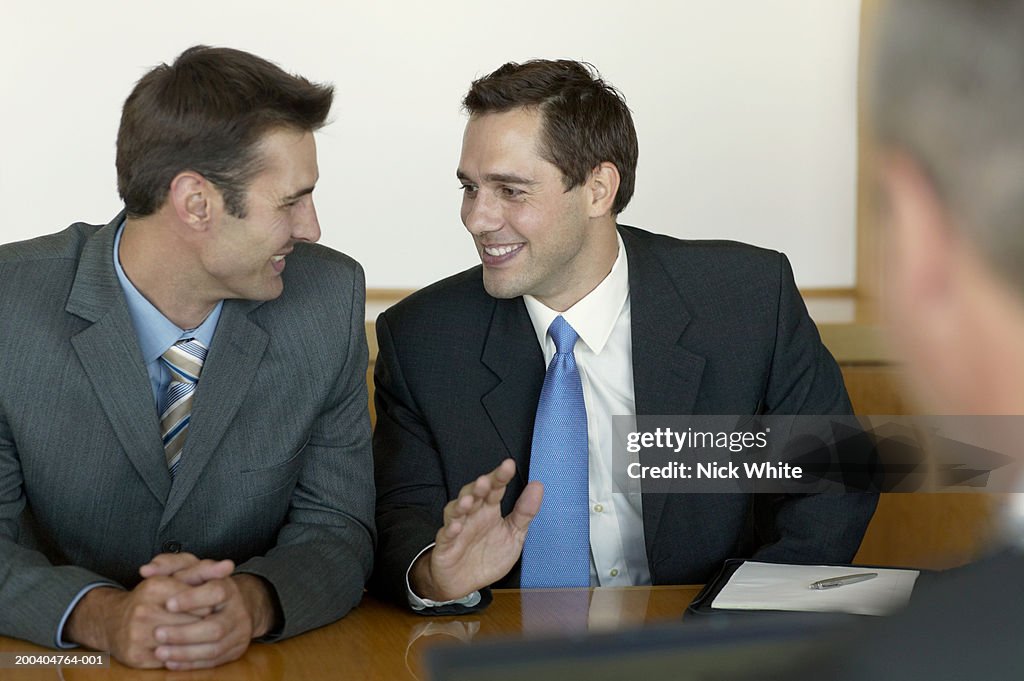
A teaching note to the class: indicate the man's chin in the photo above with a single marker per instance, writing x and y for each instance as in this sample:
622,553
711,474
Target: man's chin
274,293
498,288
265,293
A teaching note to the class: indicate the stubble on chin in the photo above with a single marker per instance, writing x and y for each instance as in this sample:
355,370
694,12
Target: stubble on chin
501,287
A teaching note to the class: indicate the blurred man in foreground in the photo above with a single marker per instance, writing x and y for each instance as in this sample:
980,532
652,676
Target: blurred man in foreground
949,113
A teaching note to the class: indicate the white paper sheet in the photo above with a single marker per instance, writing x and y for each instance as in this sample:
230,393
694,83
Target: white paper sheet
770,586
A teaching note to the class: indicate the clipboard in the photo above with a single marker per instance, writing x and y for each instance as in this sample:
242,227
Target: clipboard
701,604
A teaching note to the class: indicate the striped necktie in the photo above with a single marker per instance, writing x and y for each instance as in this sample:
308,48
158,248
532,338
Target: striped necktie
184,360
557,548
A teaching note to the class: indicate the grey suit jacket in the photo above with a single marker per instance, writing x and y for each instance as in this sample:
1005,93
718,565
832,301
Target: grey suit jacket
276,474
717,328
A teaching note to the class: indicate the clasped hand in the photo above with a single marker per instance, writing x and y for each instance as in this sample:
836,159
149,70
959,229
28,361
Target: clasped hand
187,613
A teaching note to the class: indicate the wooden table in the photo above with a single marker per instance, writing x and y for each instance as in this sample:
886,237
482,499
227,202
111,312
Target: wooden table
380,641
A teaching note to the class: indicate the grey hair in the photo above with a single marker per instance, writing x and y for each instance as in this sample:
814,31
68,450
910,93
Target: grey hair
948,89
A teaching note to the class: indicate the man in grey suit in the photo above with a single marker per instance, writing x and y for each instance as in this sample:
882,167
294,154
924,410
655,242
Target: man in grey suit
657,326
184,441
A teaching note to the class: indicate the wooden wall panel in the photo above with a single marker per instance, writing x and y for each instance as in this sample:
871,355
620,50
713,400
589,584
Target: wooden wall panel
933,531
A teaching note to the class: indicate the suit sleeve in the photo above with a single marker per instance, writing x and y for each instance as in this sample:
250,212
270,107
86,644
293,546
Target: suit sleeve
34,594
804,379
411,489
324,552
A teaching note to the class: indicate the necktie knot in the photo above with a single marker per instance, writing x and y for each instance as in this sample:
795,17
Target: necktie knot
185,360
564,335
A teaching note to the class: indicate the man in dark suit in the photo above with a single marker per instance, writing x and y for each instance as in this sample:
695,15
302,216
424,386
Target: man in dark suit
185,457
948,111
472,434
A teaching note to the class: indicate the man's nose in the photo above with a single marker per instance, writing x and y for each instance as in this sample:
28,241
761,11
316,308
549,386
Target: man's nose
307,228
482,214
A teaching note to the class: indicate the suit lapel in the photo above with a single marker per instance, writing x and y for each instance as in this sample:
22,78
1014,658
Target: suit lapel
110,355
512,353
109,352
234,357
666,376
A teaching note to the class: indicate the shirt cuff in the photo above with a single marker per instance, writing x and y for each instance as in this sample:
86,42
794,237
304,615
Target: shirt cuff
59,641
417,603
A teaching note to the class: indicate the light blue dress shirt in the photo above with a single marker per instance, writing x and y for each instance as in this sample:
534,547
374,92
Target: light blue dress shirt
155,333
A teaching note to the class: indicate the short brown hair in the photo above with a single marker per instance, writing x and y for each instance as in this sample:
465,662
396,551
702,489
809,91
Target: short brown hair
585,121
207,113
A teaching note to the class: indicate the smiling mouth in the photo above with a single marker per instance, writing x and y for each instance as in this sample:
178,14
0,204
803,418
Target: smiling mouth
277,262
501,251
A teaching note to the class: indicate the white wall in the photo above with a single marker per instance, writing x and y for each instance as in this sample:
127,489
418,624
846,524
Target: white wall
745,111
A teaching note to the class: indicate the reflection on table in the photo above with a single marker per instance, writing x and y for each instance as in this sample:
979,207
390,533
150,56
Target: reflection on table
381,641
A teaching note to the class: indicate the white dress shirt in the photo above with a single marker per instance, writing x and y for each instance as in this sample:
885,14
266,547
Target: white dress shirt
604,357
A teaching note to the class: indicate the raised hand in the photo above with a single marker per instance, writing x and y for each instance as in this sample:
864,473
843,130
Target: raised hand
476,546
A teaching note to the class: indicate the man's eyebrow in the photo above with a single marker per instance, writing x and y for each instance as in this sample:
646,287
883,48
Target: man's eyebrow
503,178
298,194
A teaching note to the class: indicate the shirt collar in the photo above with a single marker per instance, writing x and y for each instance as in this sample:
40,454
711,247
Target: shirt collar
593,316
156,332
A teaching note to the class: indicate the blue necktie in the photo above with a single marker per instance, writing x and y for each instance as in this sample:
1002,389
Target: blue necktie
557,549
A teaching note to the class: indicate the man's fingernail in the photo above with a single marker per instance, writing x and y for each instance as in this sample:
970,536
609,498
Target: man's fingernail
161,635
172,605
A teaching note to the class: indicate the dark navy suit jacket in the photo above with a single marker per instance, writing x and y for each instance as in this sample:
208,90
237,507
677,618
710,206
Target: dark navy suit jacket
717,328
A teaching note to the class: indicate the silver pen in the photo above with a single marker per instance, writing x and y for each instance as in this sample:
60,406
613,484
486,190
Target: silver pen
833,582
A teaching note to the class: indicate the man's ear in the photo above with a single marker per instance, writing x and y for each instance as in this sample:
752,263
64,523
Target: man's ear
603,185
192,198
920,231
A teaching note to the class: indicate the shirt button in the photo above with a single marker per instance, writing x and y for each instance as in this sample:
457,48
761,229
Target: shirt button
598,508
614,572
172,547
